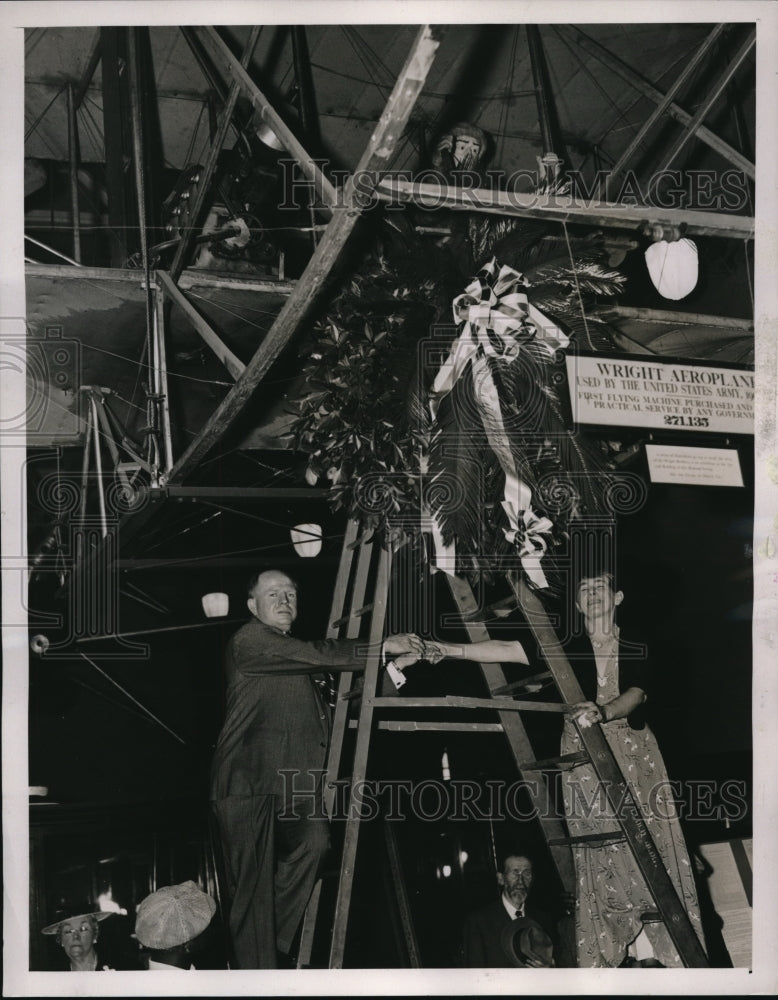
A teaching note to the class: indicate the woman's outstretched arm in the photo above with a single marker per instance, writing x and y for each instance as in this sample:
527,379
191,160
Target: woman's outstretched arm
487,651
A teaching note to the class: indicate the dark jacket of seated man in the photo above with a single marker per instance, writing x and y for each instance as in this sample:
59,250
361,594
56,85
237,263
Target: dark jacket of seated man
486,939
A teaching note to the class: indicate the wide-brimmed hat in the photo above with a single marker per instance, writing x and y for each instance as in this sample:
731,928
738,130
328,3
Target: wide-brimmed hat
74,910
524,940
173,916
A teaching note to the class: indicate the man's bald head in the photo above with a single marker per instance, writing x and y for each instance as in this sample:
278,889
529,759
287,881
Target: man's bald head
273,599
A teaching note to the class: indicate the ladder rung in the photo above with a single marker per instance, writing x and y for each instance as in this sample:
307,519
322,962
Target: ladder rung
407,726
588,838
524,682
567,759
352,614
457,701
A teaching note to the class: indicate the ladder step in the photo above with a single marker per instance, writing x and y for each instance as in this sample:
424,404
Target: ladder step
457,701
566,760
358,613
406,726
524,682
588,838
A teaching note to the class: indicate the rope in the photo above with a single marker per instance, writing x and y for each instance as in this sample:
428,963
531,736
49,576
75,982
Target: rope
132,698
577,286
496,96
750,281
38,120
189,378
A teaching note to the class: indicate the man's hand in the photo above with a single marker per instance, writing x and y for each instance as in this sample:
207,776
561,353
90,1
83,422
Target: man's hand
404,643
406,660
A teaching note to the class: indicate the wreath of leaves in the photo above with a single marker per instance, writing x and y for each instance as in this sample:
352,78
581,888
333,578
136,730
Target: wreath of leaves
364,421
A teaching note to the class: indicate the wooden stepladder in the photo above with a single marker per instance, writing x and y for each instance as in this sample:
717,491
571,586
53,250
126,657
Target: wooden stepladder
364,571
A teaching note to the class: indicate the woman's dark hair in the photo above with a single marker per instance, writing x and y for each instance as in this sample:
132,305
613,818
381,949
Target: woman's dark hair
606,574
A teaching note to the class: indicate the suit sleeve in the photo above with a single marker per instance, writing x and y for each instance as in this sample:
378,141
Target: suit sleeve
274,653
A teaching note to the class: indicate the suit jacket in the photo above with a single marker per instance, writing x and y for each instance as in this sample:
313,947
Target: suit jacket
634,670
483,932
275,717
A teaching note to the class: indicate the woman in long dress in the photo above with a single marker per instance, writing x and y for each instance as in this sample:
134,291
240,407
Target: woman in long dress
611,893
611,896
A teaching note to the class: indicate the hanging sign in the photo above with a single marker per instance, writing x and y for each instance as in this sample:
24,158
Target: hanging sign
693,466
673,396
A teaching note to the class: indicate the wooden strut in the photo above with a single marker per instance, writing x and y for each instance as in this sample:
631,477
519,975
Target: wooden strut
354,198
724,78
666,101
231,362
561,208
209,167
268,114
628,74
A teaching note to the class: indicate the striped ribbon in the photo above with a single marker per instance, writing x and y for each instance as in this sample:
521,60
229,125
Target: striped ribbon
497,319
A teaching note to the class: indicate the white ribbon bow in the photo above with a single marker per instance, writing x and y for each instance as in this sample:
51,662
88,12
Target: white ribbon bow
497,319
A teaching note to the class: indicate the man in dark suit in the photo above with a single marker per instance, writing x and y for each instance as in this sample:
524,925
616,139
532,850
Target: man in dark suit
266,776
488,938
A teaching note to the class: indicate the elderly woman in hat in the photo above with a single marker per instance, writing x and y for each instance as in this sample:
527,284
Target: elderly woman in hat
76,932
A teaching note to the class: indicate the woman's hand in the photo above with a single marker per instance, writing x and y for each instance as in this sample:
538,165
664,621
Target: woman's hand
434,652
587,713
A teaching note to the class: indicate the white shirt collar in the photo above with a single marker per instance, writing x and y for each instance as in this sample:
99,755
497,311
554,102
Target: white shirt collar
510,909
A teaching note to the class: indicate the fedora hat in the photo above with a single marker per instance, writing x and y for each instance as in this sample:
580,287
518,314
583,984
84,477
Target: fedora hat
524,940
74,910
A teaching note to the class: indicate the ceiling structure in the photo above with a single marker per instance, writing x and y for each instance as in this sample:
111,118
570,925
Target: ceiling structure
235,322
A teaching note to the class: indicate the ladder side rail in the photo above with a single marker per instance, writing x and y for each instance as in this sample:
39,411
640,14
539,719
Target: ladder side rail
631,821
345,679
401,895
365,725
551,823
339,724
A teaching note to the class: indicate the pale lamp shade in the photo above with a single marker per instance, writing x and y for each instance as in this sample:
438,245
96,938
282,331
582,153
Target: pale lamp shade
673,267
216,605
306,539
267,135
